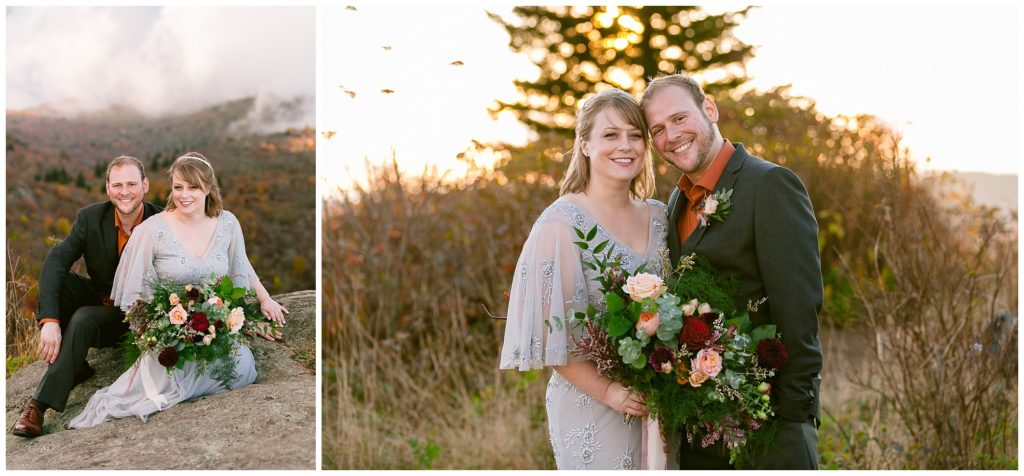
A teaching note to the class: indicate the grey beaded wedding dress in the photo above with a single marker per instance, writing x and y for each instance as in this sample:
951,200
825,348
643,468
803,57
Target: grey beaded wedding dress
153,252
550,280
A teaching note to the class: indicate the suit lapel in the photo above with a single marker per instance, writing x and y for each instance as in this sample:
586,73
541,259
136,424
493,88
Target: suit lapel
725,182
674,209
109,233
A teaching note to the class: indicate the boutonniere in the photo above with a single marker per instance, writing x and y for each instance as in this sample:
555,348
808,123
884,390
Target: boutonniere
714,207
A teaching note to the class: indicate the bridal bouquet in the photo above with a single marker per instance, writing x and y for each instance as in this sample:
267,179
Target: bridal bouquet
680,342
196,322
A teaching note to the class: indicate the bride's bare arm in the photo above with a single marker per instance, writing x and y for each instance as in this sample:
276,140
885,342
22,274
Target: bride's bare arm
584,376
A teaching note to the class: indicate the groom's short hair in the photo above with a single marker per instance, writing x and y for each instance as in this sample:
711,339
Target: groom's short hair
688,84
126,160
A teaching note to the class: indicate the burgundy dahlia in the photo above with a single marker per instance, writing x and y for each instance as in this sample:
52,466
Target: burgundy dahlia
199,322
771,354
193,294
660,357
695,333
168,357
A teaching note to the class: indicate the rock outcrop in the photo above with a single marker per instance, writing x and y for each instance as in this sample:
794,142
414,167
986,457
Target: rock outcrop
270,424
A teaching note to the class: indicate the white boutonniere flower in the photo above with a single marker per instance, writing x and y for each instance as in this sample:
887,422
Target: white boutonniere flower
714,207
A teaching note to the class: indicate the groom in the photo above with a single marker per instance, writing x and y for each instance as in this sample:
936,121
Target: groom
769,242
75,311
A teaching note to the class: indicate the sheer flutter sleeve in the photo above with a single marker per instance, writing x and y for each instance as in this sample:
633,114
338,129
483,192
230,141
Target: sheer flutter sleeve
135,272
549,286
240,270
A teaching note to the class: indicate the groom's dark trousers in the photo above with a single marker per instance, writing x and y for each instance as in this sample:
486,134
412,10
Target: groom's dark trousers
81,304
769,243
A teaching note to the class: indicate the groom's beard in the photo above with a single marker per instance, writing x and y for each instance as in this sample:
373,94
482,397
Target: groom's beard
703,144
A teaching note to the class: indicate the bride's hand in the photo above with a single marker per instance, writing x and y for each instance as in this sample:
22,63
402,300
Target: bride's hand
623,400
274,311
264,330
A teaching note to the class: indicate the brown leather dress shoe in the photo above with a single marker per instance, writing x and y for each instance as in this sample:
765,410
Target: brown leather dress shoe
30,423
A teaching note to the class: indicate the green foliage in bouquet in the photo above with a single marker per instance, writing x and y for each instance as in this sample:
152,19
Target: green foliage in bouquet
199,323
682,344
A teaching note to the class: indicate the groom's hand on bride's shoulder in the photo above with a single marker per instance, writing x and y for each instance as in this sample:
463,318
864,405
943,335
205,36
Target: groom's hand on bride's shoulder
49,342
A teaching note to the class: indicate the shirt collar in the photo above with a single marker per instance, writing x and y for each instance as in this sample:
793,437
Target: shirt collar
707,182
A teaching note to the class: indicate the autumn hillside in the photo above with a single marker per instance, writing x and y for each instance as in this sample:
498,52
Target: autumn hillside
55,165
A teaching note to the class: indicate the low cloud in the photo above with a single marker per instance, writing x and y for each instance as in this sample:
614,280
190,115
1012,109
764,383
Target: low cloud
160,60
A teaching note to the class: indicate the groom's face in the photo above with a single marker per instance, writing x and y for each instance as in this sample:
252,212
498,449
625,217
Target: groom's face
126,188
682,130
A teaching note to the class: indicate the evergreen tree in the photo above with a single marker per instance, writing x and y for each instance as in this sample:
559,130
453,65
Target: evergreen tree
582,50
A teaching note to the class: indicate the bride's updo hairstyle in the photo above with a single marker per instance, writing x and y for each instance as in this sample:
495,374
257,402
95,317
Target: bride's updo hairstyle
577,178
196,171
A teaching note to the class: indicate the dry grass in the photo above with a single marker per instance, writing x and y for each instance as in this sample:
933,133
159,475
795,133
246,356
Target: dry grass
21,324
410,356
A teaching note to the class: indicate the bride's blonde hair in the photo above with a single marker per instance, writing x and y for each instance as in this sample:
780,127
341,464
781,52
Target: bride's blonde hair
577,177
196,171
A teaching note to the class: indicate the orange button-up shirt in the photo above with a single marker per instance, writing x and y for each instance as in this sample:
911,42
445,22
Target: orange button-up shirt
695,192
122,240
122,235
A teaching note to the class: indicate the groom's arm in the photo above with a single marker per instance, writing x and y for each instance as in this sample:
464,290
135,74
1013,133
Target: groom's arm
57,263
787,252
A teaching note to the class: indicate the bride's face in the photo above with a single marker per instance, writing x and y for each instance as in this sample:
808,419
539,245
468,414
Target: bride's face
615,148
189,199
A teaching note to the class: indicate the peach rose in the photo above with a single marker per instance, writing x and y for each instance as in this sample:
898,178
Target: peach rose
690,308
174,299
235,320
644,285
215,301
649,322
704,308
178,315
207,339
697,377
709,362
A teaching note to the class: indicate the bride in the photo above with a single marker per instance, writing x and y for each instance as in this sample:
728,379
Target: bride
608,183
190,240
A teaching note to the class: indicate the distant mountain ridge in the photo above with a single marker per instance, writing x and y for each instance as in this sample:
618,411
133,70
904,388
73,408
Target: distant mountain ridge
992,190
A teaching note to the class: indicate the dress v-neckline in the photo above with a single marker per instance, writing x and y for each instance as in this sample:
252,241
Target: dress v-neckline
209,246
650,224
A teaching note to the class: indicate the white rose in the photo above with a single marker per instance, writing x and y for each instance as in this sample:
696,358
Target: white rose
207,339
235,320
704,308
644,285
690,308
710,206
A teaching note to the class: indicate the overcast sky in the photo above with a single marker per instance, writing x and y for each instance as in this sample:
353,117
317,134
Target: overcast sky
158,60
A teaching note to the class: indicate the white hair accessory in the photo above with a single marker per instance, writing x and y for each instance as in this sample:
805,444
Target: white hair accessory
187,156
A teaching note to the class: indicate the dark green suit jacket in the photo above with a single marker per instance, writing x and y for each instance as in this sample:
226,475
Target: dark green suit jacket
769,243
94,236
